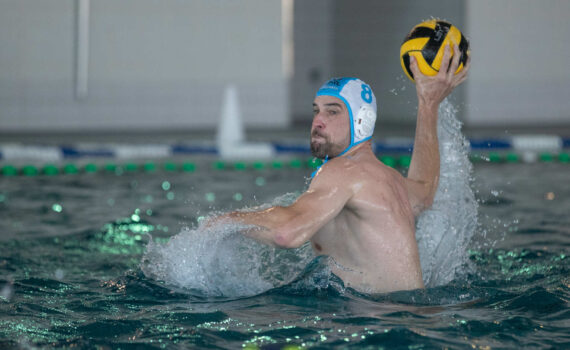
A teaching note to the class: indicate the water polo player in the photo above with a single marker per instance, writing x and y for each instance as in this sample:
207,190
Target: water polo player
357,210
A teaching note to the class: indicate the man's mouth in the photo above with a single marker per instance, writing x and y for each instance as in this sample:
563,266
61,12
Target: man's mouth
317,139
317,134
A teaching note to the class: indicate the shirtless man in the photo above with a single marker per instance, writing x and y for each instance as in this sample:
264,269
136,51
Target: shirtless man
357,210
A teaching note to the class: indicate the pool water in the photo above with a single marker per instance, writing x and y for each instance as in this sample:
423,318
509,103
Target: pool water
72,272
124,261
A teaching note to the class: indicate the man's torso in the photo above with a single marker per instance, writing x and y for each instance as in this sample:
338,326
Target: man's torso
372,240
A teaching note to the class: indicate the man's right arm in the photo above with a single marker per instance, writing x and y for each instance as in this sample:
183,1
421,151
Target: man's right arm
423,174
292,226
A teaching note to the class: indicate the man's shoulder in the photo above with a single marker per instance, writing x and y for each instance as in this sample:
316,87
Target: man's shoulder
350,169
335,170
341,166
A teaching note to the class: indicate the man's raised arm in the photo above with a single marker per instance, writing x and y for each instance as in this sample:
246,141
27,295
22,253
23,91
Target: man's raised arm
423,174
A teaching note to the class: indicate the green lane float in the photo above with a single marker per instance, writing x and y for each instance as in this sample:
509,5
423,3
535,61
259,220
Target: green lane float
277,164
170,167
476,158
219,165
149,167
405,161
188,167
512,158
546,157
389,161
495,157
70,169
314,163
258,165
9,170
110,168
131,167
295,164
29,170
564,158
240,166
90,168
50,170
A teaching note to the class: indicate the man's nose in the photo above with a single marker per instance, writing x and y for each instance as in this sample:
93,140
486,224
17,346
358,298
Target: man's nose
318,121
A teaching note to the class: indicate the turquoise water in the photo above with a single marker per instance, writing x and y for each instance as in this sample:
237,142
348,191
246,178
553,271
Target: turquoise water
74,272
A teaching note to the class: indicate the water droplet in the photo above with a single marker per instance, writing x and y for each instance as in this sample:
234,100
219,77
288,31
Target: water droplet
6,292
166,185
170,196
57,208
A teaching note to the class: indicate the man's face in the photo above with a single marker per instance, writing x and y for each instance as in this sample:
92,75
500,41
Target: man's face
330,131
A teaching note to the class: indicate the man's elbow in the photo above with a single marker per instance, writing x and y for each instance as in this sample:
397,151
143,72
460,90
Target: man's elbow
428,202
289,233
422,204
287,240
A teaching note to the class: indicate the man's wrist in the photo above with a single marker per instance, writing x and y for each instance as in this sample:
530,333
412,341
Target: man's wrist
428,106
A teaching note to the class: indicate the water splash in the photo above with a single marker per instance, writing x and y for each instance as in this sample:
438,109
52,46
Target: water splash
218,261
445,230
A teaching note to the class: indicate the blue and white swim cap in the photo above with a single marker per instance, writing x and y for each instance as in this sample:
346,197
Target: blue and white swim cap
360,102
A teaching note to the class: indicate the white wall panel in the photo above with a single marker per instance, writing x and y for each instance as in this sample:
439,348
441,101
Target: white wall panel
520,73
153,64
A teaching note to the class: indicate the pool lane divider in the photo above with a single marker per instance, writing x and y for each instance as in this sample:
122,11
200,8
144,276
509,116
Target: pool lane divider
51,169
395,145
394,152
148,167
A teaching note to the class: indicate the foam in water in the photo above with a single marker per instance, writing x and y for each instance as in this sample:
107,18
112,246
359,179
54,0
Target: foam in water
219,261
444,231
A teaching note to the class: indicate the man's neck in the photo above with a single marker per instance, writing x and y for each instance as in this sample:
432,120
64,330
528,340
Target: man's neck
360,149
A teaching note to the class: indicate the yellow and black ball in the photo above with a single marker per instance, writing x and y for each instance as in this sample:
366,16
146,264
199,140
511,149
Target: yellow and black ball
427,41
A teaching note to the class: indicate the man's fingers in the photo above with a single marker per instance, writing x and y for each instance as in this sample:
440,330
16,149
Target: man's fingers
445,60
455,62
465,69
461,76
467,64
414,66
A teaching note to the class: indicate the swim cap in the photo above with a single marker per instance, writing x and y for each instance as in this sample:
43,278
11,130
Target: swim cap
360,102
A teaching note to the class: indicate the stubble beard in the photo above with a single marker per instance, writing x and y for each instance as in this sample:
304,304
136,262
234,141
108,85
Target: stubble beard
322,149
